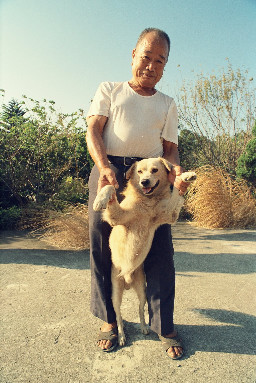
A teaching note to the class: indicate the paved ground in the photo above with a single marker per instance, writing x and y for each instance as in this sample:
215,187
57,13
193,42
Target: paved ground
47,331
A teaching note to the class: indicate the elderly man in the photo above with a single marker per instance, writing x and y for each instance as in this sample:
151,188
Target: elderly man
128,121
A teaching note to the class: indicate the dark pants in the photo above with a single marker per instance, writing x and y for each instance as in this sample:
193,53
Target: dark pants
158,267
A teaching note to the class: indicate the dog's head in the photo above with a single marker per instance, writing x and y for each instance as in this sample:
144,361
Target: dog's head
150,176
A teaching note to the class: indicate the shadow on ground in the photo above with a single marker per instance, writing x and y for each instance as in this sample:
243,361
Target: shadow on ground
184,261
234,335
194,234
68,259
215,263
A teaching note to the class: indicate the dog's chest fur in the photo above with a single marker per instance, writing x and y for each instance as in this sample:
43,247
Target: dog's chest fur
131,241
148,203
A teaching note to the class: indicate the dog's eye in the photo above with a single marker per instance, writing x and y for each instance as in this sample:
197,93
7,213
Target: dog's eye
140,171
155,170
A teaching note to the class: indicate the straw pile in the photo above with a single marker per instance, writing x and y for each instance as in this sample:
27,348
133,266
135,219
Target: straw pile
215,200
34,217
68,230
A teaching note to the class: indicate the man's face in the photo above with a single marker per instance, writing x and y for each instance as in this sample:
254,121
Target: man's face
148,60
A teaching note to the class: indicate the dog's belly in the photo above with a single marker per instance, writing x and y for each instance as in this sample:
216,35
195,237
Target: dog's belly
129,247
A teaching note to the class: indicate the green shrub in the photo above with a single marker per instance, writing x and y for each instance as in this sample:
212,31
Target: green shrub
246,165
71,191
39,149
10,217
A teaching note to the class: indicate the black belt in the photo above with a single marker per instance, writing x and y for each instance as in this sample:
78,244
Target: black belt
123,161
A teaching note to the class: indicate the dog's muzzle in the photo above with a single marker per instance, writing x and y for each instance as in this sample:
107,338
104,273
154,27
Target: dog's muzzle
147,189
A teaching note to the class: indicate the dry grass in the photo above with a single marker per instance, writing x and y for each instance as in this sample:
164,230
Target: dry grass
68,230
215,200
35,216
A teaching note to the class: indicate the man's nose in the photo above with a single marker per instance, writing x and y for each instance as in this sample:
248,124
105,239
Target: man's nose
150,66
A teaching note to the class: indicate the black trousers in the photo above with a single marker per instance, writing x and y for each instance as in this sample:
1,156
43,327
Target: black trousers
158,267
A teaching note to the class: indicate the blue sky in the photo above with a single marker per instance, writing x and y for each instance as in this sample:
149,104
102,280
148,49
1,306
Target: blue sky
62,49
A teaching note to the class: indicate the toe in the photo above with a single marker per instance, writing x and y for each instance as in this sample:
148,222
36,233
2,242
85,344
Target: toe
171,352
175,352
104,344
178,350
108,344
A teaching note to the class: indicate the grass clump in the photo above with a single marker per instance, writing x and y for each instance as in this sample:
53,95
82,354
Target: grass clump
68,230
216,200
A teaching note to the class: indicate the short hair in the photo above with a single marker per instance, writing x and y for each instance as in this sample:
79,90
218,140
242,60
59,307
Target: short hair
161,34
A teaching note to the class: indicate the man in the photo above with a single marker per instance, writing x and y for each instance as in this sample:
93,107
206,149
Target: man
126,122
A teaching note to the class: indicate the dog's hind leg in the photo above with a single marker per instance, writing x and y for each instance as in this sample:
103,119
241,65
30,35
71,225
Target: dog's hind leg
117,294
139,285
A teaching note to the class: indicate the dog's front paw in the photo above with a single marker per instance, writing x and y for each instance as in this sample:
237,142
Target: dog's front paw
188,176
103,197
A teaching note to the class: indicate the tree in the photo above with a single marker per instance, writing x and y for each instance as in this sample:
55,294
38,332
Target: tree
12,114
222,109
191,149
13,109
246,166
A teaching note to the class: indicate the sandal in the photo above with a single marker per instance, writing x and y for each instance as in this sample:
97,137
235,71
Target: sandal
171,342
109,335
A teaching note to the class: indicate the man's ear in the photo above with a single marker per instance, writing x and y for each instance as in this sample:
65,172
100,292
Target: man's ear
130,172
167,164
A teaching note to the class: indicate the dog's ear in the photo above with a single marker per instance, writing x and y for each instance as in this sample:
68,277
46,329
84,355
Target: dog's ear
130,172
167,164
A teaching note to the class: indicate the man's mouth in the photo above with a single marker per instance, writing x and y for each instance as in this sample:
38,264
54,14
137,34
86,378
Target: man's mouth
148,75
149,190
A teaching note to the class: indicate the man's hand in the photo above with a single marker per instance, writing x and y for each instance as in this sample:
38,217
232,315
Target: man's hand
107,177
180,185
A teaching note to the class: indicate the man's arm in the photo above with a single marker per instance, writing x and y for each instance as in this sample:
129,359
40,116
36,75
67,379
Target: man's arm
171,154
97,150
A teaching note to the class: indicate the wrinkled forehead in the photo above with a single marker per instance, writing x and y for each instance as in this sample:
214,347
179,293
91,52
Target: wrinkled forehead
148,165
153,43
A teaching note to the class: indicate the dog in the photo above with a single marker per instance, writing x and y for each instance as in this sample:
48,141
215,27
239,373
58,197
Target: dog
148,203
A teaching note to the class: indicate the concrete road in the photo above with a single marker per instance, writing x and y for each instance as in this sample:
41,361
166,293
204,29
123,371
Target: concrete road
48,333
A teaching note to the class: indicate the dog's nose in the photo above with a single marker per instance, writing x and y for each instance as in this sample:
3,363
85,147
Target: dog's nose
145,182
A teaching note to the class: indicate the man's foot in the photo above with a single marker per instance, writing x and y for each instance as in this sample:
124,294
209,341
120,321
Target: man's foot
105,344
174,352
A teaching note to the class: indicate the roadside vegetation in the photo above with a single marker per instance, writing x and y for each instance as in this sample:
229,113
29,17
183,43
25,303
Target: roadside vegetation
218,140
45,164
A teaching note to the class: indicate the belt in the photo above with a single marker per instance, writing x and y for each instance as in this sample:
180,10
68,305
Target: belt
123,161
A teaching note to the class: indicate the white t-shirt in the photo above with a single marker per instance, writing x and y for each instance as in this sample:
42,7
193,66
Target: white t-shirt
136,124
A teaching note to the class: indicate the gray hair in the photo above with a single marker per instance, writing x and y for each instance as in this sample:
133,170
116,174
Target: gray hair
159,33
